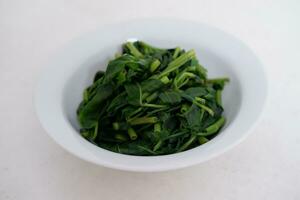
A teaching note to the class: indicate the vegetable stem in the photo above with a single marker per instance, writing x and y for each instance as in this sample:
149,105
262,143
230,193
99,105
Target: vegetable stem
133,50
157,127
204,107
176,52
118,54
157,130
158,145
184,76
216,126
219,97
95,132
147,150
121,137
132,134
85,95
85,134
143,120
216,80
184,108
152,97
191,69
182,79
135,112
153,105
154,65
165,79
200,100
201,115
116,126
202,139
178,62
187,144
176,135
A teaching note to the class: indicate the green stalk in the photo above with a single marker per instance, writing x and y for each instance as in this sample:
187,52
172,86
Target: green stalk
85,134
157,130
183,83
145,95
158,145
85,95
143,120
154,65
219,97
202,139
146,149
148,49
201,114
152,97
175,135
156,111
116,126
200,100
201,70
153,105
187,144
133,50
185,75
176,52
95,133
215,127
119,126
121,137
165,79
204,107
135,112
184,108
183,79
216,80
157,127
132,134
191,69
178,62
118,54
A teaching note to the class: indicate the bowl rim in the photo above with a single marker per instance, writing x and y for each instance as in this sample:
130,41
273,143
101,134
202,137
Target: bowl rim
129,167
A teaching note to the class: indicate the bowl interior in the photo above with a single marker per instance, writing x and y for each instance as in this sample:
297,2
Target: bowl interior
59,91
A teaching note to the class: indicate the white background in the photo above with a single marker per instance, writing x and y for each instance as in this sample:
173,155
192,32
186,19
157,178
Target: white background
265,166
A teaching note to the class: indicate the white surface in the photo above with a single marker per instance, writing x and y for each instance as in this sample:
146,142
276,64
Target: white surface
59,90
32,166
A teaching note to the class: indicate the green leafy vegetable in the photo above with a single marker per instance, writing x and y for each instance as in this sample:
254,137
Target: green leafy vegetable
170,97
152,101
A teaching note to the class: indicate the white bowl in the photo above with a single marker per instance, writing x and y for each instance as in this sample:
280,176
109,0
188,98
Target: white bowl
60,88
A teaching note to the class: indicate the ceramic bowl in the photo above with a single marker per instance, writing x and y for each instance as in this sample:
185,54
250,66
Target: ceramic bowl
59,90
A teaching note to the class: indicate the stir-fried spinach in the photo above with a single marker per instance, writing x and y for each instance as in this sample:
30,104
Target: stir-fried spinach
152,101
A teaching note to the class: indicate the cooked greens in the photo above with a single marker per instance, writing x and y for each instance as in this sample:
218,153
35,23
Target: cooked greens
152,101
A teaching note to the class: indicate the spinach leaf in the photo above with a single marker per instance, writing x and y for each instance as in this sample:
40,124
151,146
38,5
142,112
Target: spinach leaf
170,97
89,114
134,94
